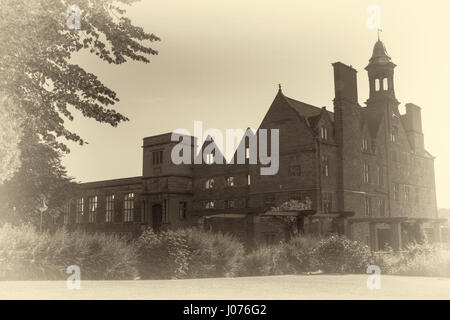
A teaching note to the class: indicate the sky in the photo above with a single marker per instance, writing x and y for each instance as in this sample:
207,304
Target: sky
220,61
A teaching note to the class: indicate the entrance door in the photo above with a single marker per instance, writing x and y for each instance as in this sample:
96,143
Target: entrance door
156,217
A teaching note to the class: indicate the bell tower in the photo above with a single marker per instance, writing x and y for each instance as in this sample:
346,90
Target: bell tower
381,75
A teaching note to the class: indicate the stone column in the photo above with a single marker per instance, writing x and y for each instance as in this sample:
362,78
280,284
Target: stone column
396,236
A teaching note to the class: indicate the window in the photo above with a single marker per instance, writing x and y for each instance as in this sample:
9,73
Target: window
230,181
209,183
128,206
324,133
380,176
247,153
326,201
209,158
229,204
407,194
210,204
385,84
325,166
381,207
93,203
365,144
79,210
377,84
182,209
367,207
109,208
157,157
396,191
295,171
366,174
66,213
248,179
394,134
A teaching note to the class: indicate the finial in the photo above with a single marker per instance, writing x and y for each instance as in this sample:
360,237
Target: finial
279,86
379,30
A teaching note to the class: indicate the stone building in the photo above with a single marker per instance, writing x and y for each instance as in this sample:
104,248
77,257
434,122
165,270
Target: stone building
364,169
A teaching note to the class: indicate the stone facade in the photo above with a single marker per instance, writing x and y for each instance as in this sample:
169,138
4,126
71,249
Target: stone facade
364,169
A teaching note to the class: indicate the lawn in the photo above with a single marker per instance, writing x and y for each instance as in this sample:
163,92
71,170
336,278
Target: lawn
258,288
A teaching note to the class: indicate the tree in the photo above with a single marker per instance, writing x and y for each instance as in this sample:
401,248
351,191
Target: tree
36,73
40,176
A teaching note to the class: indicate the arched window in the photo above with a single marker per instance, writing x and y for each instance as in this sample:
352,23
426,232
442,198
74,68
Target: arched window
377,84
385,84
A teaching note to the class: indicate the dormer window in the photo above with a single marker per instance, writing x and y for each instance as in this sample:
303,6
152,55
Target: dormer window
324,133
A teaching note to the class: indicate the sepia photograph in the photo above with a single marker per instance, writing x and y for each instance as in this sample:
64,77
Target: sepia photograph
223,155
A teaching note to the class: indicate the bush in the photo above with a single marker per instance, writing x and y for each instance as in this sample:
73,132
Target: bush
294,257
338,254
420,260
300,253
26,254
188,253
266,261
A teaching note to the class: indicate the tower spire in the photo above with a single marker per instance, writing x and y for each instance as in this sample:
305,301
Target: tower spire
379,30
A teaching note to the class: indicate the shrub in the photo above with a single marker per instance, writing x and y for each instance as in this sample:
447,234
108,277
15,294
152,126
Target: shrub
421,260
300,254
26,254
266,261
188,253
338,254
213,254
162,256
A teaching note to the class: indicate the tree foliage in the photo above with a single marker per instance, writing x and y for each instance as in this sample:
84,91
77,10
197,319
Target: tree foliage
41,177
36,72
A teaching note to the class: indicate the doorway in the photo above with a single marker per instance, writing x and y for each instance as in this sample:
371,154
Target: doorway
156,217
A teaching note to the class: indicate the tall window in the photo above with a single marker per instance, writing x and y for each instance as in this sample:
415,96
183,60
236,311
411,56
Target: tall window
249,179
365,144
326,201
381,207
93,203
380,176
324,133
109,208
407,193
396,191
377,84
366,175
367,207
230,181
385,84
79,210
247,153
157,157
394,134
325,169
209,183
66,213
128,206
182,209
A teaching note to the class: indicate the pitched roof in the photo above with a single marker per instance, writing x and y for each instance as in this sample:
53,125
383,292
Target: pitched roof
306,110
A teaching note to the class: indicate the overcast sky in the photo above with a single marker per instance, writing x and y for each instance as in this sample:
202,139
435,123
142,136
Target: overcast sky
221,61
